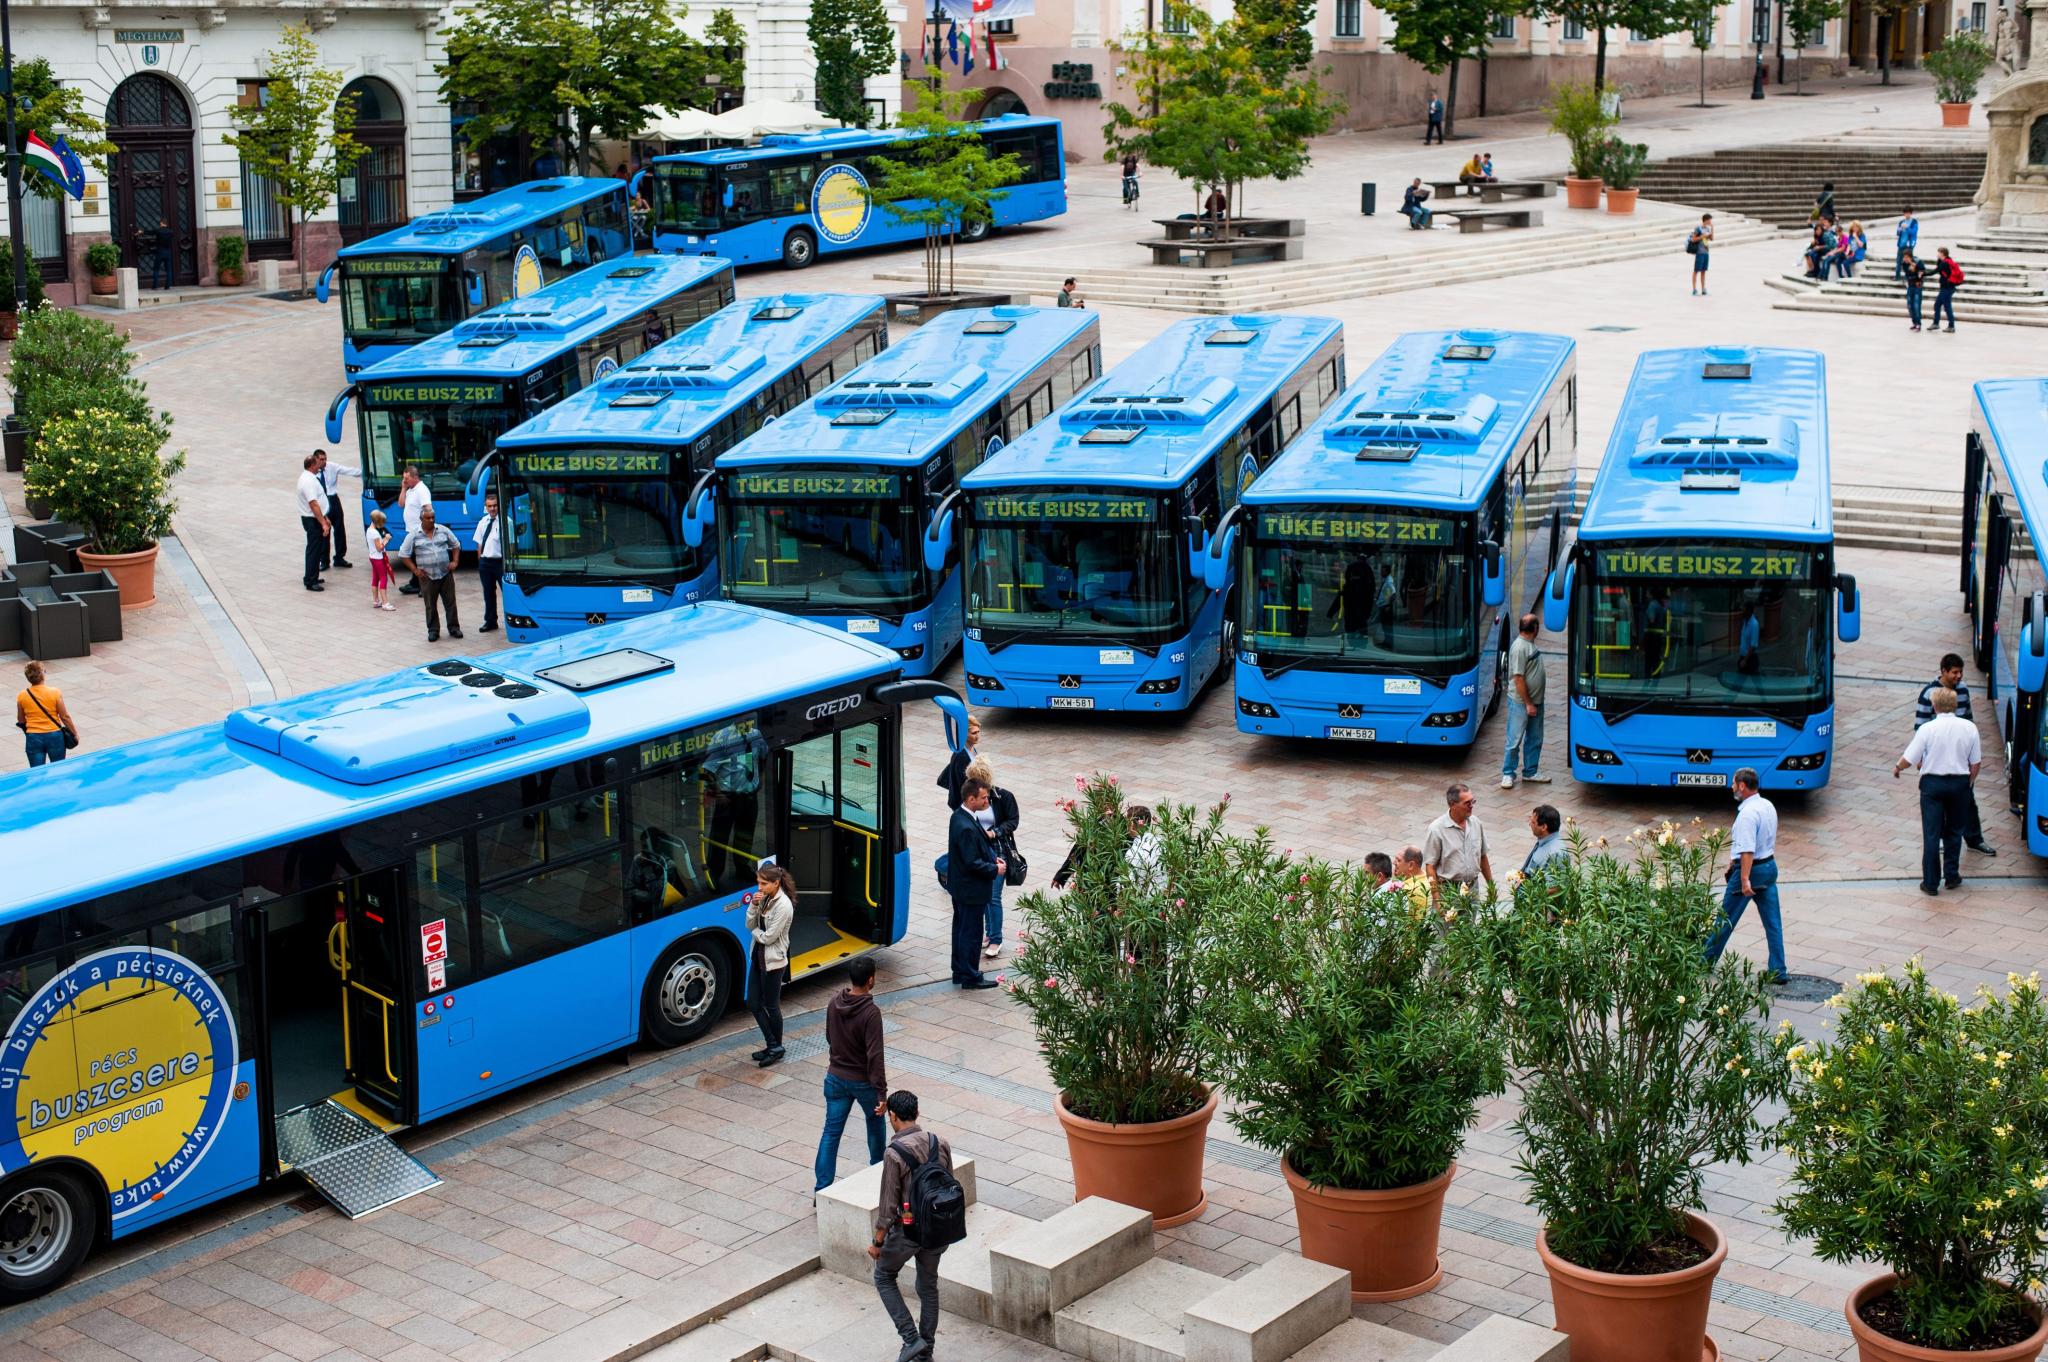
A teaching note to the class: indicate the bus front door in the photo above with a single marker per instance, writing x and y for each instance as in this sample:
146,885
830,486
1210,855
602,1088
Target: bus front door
376,1013
834,846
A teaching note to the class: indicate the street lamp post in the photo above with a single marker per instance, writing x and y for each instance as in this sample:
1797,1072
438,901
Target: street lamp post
1760,24
13,159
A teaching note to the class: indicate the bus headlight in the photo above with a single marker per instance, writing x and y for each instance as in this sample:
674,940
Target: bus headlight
1164,685
520,621
1596,756
912,653
1453,718
1253,709
1812,761
983,682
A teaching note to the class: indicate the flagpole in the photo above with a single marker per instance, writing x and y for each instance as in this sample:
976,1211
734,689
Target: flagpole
13,162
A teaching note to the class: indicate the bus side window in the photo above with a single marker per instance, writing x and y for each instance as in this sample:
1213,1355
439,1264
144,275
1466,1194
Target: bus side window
700,826
26,962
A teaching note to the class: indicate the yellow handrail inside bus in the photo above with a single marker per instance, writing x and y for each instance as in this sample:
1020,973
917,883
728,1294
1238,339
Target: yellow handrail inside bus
388,1005
872,837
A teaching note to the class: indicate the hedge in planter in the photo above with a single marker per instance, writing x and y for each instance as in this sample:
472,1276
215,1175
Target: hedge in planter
1348,1029
1919,1138
101,470
65,361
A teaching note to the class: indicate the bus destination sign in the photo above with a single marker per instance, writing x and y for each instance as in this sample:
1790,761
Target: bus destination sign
800,485
443,393
1031,506
395,264
558,463
1338,527
1722,561
694,744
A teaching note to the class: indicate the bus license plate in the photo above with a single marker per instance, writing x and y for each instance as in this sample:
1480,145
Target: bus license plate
1699,778
1356,734
1073,702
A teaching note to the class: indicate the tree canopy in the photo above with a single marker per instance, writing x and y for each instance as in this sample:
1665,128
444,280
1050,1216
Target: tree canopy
943,178
47,109
298,136
1652,18
1438,34
853,40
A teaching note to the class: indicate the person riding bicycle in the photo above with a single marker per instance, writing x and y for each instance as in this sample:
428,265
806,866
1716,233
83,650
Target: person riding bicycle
1130,179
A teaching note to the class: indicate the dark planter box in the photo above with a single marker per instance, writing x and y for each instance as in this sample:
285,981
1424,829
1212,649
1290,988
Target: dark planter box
54,629
50,541
14,437
102,600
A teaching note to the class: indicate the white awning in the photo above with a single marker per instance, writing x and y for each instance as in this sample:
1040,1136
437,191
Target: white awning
762,117
681,125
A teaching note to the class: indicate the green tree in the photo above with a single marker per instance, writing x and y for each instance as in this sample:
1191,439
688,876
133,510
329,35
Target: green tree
1438,34
593,68
1653,18
725,47
853,40
45,108
298,136
1292,26
1803,20
944,181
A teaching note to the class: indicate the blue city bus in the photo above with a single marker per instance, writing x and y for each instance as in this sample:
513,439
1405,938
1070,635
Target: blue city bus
1384,558
1085,540
418,280
263,944
594,485
2005,590
442,404
798,195
823,513
1699,600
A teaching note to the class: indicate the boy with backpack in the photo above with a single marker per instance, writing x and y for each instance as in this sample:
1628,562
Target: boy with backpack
922,1213
1947,276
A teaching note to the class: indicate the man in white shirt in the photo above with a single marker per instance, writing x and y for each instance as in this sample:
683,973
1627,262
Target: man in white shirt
312,499
1947,751
1455,846
331,474
1753,874
414,496
489,539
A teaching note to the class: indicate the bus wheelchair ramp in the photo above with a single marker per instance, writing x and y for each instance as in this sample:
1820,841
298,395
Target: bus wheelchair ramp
352,1163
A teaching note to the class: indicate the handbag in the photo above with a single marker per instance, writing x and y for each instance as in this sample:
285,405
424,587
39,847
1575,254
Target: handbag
1015,867
70,738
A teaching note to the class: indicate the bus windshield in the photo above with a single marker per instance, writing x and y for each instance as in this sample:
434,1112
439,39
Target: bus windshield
446,438
1742,628
397,301
685,197
601,514
826,539
1359,589
1081,566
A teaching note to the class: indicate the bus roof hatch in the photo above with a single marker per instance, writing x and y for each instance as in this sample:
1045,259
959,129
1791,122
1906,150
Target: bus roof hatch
698,367
1106,406
533,316
879,383
1404,418
1724,443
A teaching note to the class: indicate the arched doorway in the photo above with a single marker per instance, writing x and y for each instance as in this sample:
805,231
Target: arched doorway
150,180
372,197
1002,102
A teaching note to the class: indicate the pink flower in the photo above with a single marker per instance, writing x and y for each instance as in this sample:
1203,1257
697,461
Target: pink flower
1180,903
1052,983
1081,783
1111,779
1130,959
1302,880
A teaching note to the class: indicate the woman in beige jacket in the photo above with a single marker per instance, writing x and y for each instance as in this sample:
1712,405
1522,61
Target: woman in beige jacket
769,918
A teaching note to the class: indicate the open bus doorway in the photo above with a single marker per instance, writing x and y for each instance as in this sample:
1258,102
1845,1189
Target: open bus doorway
834,846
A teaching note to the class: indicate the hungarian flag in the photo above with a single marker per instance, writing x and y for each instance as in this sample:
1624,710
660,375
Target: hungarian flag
60,163
995,63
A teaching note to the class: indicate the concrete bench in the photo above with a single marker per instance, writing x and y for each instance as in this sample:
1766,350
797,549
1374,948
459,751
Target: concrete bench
1478,220
1494,192
1039,1271
1269,1314
1236,251
1196,228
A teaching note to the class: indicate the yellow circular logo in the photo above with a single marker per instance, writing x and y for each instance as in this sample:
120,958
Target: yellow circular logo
839,204
126,1060
526,276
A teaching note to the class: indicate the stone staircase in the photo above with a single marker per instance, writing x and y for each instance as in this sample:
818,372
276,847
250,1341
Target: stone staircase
1905,520
2004,283
1875,175
1083,1283
1265,288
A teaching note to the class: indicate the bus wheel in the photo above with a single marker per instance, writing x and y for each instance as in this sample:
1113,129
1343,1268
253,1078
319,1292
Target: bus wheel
686,992
974,231
46,1228
799,249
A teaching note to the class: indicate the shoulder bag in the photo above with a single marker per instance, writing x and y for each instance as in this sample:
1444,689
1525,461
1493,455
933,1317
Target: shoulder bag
70,738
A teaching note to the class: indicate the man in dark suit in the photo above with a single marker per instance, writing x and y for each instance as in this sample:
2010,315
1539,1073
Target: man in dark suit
972,868
955,773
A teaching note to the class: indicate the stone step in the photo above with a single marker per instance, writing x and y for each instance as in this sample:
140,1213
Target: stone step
1040,1270
1270,1313
1498,1338
828,1318
846,1215
1965,312
1358,1340
1139,1317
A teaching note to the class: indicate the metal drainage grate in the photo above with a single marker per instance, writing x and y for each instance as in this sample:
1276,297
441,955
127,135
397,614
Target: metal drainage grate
1805,988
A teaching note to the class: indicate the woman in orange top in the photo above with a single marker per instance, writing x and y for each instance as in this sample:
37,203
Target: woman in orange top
39,712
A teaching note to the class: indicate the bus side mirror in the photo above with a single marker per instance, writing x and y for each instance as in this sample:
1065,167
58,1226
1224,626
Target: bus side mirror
1493,589
955,711
1216,563
334,411
697,510
326,277
473,285
1557,597
938,543
1850,627
633,186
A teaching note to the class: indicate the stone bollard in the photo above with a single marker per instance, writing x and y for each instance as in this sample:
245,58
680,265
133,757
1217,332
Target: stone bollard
269,276
128,288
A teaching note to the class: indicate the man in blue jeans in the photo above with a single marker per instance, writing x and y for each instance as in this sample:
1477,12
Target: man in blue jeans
856,1075
1753,874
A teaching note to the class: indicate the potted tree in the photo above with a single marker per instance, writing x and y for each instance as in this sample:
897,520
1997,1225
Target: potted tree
101,470
102,258
12,307
1582,118
1640,1064
1349,1032
1919,1138
64,361
1107,973
1621,166
229,253
1957,66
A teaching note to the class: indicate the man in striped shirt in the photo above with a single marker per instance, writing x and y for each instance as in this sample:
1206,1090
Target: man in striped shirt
1951,678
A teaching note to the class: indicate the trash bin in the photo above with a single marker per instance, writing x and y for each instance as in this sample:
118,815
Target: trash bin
1368,194
15,439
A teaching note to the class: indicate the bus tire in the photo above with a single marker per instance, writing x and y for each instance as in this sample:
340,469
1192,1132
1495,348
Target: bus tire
47,1226
687,992
799,249
974,231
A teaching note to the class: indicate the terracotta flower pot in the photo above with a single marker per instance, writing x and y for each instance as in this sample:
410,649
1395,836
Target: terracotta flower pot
1581,193
1618,1317
104,284
1155,1166
1872,1346
1621,200
134,574
1386,1240
10,325
230,278
1957,116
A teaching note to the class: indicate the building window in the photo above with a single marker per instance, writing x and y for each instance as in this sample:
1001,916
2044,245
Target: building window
1636,35
266,224
1574,31
1175,19
1504,27
1003,28
1977,16
1349,20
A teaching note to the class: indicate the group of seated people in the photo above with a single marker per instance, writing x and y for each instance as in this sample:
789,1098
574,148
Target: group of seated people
1836,249
1475,172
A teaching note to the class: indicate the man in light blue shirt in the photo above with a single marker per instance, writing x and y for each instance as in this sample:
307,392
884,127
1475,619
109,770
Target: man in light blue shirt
1548,826
1909,240
1753,874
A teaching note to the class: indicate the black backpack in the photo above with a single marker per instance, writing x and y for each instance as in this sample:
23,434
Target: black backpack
937,1205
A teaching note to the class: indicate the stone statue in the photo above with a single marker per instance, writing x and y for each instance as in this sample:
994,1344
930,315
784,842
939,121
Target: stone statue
2006,43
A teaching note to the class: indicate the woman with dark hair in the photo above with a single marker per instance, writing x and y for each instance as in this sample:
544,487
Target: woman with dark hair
770,915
